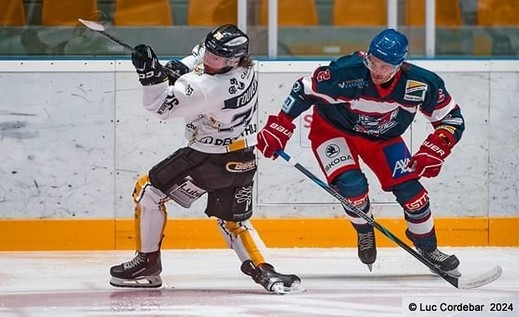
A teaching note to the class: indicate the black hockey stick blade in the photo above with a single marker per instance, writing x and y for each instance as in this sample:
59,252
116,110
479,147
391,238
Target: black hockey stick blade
458,282
99,28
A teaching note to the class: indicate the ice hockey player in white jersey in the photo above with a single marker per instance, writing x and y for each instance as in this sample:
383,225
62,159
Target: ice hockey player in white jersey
216,91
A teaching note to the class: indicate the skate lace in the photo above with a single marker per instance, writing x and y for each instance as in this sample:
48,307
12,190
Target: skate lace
136,261
436,255
366,241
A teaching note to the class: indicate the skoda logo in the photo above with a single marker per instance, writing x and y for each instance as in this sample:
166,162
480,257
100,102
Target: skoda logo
332,150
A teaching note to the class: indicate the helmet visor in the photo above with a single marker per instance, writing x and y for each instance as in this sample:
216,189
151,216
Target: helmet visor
381,71
214,64
377,65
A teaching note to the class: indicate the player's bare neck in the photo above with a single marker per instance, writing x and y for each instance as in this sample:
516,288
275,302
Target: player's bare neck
386,88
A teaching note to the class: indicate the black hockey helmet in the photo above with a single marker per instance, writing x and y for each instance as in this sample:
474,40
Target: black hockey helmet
227,41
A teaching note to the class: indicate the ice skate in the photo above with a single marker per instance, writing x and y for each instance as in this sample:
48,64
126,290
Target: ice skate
272,281
367,248
447,263
143,271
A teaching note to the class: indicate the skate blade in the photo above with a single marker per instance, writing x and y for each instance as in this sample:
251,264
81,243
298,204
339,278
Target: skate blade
281,289
142,282
370,267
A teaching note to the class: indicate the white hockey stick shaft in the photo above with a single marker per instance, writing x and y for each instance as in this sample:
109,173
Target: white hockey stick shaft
100,29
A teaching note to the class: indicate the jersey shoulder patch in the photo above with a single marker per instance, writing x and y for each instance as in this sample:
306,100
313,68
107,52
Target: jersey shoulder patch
415,90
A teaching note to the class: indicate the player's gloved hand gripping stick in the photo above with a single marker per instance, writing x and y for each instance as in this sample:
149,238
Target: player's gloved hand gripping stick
275,135
428,161
148,67
461,282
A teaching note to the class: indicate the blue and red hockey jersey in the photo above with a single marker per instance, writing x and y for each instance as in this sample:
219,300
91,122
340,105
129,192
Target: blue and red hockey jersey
344,95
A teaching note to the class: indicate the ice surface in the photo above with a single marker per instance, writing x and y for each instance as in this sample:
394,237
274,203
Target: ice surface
209,283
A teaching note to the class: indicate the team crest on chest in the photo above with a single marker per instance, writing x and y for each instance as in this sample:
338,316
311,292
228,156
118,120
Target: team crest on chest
415,90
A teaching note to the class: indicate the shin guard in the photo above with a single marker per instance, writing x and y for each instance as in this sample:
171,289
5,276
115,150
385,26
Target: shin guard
150,215
244,240
413,198
353,186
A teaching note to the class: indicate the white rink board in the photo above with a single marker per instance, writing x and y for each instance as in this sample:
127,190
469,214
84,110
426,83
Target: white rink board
74,138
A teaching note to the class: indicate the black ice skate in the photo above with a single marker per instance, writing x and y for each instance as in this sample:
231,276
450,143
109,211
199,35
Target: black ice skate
272,281
143,271
367,248
447,263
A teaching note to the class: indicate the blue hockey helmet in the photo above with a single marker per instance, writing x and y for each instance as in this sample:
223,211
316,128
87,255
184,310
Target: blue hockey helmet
390,46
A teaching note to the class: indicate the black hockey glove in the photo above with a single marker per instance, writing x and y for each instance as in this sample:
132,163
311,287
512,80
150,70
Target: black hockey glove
175,69
148,67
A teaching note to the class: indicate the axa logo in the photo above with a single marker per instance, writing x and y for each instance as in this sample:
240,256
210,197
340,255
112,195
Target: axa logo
401,168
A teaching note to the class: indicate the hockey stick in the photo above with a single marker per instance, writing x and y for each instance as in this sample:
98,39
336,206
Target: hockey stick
458,282
99,28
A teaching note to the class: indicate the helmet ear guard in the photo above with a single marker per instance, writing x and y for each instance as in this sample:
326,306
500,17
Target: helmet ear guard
390,46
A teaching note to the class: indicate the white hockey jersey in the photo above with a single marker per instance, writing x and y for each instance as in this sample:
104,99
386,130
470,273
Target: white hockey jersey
218,109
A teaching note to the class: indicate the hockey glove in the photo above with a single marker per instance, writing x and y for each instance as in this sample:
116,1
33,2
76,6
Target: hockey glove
428,161
174,69
275,135
148,67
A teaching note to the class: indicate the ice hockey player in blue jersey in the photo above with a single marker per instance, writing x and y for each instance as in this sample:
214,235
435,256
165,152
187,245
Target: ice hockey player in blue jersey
362,104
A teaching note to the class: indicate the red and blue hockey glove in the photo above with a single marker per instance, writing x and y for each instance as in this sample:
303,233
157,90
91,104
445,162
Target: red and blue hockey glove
428,161
147,65
275,135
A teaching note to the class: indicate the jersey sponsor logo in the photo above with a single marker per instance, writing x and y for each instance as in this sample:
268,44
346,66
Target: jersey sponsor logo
352,83
189,90
215,141
250,129
400,168
245,73
415,90
332,150
334,154
451,120
244,98
397,157
199,70
235,86
240,167
323,75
